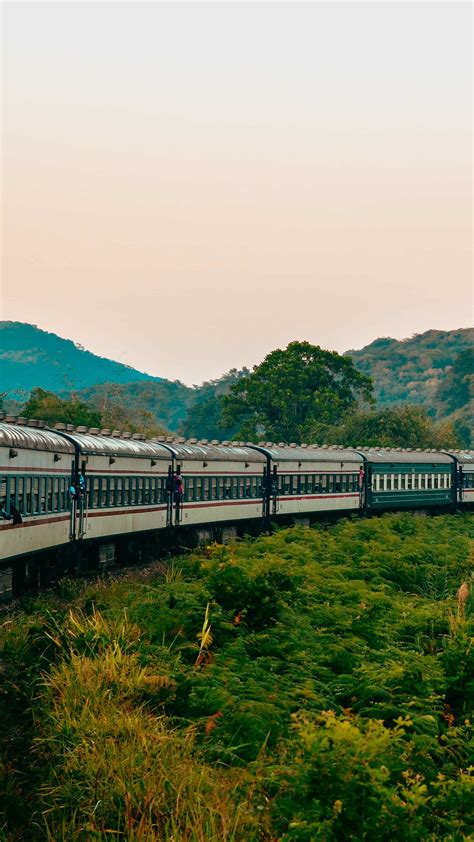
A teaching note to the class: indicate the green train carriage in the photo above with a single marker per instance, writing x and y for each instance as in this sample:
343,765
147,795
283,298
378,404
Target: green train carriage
409,479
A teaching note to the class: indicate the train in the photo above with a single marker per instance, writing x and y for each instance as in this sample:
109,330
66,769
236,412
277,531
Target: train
76,496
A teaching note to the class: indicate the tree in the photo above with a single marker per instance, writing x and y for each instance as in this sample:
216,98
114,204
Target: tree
401,426
51,408
293,390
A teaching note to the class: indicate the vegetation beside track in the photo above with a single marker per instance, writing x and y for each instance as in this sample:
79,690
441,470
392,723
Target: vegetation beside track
313,684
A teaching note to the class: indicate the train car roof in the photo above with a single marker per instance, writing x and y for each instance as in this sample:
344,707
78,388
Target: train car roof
312,453
216,453
392,456
464,457
96,445
33,438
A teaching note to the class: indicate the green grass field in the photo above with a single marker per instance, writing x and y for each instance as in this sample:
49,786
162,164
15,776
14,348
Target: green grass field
316,684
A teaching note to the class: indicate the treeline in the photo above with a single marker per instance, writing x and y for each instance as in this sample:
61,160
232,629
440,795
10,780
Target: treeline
300,394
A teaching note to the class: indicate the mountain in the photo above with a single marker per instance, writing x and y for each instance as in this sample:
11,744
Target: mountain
32,357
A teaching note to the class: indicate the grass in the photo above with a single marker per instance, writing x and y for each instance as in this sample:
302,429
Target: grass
313,684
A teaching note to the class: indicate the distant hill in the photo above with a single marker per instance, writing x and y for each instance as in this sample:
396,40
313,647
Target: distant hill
434,370
32,357
412,370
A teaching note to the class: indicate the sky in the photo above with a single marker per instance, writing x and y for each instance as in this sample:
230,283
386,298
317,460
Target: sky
186,187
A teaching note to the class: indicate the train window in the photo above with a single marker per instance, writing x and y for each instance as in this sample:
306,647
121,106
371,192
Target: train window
112,491
35,495
189,490
5,493
228,488
199,488
20,494
55,494
213,488
140,491
27,496
44,494
64,484
435,481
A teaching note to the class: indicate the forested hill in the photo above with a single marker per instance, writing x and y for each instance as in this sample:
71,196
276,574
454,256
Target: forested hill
419,370
32,357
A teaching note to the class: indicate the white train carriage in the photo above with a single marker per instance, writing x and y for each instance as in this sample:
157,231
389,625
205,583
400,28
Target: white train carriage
125,485
311,479
35,473
220,483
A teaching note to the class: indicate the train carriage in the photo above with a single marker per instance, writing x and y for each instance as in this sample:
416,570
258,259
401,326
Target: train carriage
125,485
35,474
220,483
310,479
409,479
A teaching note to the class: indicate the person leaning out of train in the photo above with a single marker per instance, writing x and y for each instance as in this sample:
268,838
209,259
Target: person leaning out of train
14,514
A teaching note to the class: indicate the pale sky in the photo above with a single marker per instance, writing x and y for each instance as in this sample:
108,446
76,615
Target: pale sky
188,186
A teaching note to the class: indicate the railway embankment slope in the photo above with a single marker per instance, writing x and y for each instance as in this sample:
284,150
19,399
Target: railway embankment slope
313,684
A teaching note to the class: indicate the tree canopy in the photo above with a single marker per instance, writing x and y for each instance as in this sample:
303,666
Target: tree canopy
51,408
401,426
292,390
110,413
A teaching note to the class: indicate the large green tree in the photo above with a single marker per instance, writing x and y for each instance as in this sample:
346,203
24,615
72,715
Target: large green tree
292,390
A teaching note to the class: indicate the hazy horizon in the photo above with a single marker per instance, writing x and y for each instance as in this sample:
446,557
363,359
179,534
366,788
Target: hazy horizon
188,186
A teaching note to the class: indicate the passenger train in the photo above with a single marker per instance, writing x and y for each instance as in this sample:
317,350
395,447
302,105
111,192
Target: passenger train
68,494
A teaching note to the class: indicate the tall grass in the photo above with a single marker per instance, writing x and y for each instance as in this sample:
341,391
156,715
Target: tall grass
313,684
